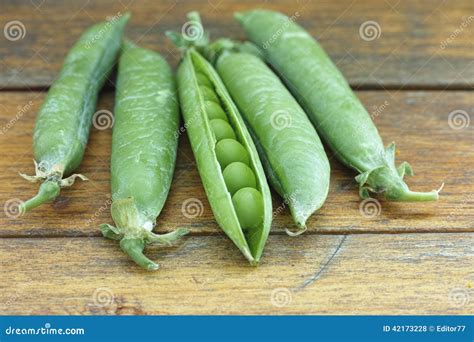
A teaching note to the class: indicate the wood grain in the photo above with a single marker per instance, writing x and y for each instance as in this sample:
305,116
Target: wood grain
53,261
355,274
421,44
417,121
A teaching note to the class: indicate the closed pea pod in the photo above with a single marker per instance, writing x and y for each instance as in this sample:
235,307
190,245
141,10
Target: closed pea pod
63,123
333,108
144,147
247,227
294,156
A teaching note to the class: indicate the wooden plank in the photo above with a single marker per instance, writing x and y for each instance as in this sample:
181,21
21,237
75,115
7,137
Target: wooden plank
355,274
421,44
417,121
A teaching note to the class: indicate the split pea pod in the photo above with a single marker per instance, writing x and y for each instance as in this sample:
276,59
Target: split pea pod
227,160
144,146
335,111
64,120
291,151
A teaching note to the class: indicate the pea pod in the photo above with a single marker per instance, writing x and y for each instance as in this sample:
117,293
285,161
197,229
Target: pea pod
293,154
144,146
231,172
333,108
291,151
63,123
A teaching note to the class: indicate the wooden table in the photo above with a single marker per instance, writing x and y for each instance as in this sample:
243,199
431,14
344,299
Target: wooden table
416,76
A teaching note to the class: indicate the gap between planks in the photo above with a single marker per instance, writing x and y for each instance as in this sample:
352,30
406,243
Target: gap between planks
276,233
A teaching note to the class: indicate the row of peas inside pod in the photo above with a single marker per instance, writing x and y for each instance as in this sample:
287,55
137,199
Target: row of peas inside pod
233,158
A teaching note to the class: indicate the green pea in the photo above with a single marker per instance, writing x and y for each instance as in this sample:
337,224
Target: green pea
208,94
237,175
222,130
248,204
229,151
214,111
203,80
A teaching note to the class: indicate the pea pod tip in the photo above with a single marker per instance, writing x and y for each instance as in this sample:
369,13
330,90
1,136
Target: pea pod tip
302,230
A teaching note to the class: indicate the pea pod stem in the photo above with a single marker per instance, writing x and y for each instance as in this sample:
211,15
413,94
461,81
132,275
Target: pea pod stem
134,232
51,186
48,191
415,196
134,246
387,180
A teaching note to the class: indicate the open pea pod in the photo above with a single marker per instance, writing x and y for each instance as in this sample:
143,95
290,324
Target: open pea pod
291,152
226,157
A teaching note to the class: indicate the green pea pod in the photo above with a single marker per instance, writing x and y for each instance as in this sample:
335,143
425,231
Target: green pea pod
333,108
289,146
245,215
144,146
63,123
